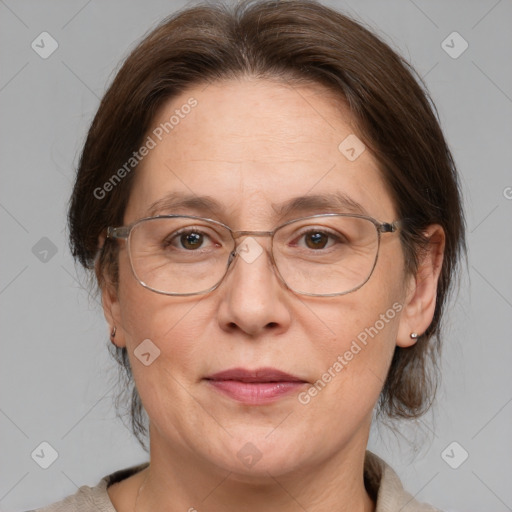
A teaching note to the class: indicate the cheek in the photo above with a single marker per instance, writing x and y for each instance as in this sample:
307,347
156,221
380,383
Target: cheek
364,341
352,368
363,328
170,332
172,325
173,328
352,371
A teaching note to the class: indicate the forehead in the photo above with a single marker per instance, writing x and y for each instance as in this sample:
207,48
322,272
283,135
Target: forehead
252,147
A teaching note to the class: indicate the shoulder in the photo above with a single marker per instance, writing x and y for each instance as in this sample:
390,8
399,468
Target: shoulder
89,499
84,500
387,490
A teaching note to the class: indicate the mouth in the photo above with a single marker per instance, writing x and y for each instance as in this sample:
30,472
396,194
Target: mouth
260,386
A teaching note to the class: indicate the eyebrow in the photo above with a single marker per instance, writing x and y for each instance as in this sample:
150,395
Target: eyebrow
336,202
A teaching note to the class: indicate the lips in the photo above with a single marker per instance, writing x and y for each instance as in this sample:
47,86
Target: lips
260,386
259,375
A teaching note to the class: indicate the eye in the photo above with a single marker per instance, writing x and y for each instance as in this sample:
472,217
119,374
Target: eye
319,239
189,239
316,240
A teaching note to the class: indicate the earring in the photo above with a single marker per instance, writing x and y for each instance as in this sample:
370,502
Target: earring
113,334
413,335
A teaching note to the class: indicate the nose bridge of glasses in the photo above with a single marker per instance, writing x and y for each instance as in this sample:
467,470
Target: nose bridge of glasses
240,234
241,237
248,248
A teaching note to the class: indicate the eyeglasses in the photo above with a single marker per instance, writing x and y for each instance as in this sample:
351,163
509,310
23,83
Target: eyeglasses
320,255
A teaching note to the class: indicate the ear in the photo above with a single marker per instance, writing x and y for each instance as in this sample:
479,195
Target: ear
420,302
111,306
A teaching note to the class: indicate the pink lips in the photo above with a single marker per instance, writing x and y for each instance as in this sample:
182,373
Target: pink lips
258,386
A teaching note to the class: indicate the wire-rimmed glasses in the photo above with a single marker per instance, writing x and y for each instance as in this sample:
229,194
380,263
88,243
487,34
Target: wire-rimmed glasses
319,255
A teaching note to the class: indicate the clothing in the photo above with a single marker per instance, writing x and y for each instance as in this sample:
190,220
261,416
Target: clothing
381,481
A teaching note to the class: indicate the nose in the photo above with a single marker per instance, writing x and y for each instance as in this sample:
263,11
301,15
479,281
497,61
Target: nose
253,298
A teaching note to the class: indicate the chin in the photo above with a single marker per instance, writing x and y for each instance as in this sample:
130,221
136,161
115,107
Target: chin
256,456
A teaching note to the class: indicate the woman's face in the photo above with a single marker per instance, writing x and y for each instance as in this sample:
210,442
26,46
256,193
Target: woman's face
250,146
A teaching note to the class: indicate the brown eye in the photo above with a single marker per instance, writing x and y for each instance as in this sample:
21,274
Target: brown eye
316,240
191,240
188,240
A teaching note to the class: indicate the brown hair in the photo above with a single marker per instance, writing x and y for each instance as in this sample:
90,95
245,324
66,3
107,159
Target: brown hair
297,41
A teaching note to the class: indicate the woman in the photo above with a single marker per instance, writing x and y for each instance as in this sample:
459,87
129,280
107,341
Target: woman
274,220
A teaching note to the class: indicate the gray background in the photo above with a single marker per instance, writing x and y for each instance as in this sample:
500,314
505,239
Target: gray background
57,381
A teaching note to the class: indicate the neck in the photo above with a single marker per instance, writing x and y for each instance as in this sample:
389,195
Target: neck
175,481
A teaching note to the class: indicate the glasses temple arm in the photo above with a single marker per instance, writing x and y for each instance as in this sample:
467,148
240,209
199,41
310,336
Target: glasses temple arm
119,233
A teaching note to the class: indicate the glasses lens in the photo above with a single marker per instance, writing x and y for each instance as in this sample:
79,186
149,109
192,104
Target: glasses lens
179,255
327,254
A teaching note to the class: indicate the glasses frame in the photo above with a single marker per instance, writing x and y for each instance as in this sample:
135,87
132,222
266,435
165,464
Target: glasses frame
124,233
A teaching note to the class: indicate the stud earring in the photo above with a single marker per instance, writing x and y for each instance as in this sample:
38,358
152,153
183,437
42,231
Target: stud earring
113,334
413,335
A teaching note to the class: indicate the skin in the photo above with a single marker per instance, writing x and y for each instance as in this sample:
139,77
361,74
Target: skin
249,143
